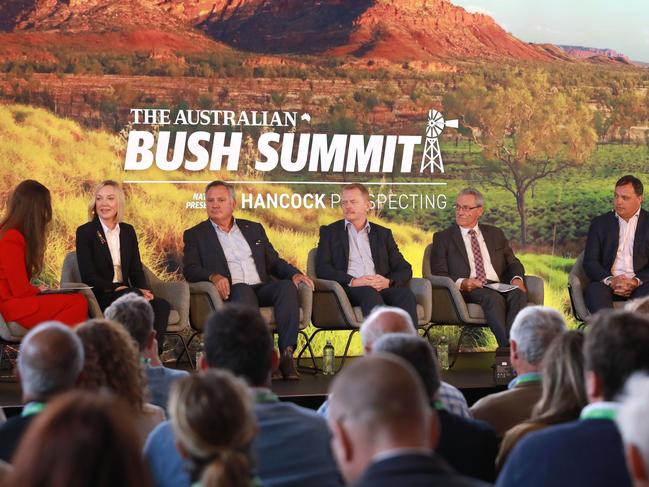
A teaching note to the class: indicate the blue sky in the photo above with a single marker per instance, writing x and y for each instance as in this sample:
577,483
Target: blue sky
622,25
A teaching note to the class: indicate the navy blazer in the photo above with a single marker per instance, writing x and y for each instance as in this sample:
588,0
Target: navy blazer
96,264
601,246
583,452
449,258
414,470
333,255
204,256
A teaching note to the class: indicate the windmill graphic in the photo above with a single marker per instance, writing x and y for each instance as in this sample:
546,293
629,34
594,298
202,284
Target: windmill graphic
432,157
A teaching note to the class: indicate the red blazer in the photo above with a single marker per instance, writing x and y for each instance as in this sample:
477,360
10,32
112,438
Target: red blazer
18,298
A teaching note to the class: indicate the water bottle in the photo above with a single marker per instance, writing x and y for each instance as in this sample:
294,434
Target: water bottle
442,353
328,355
200,351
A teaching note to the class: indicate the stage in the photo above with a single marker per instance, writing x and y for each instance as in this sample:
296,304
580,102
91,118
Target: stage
471,373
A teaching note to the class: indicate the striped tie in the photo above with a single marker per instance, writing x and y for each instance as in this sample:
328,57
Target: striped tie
477,257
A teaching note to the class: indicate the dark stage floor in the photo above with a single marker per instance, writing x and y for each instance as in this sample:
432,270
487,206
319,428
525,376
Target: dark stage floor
472,374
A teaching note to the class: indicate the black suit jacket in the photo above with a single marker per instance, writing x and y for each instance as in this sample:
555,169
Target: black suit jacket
96,264
204,256
333,254
413,470
11,432
449,258
601,246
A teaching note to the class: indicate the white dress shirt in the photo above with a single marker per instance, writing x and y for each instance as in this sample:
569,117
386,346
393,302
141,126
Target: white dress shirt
238,255
360,261
489,270
112,238
623,264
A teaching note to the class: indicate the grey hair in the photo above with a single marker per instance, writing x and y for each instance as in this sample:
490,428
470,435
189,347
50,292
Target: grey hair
47,371
370,332
638,305
632,416
533,330
228,186
479,199
135,314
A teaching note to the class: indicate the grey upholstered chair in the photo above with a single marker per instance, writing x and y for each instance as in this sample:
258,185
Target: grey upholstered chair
449,307
176,293
11,334
333,311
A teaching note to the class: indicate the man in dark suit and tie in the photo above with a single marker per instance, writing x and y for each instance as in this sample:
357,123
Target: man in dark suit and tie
237,257
474,255
616,258
364,258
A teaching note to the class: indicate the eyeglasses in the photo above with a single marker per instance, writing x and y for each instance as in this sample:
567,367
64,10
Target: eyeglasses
466,208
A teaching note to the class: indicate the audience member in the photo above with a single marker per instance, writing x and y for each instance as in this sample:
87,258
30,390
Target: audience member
563,393
588,451
638,305
292,446
49,363
112,362
531,334
81,439
386,319
468,445
634,427
384,430
135,313
213,419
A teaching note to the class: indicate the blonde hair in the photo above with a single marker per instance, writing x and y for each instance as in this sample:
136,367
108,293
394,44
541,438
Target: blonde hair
213,419
121,200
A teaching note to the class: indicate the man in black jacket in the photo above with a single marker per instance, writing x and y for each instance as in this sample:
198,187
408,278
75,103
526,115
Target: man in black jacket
364,258
236,256
616,258
475,255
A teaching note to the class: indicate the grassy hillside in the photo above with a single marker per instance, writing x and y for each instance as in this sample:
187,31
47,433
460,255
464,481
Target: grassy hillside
70,160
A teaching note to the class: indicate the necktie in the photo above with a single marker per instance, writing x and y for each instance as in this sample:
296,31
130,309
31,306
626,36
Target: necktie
477,257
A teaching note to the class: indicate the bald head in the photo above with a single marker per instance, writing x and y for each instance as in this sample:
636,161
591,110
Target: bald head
384,320
49,361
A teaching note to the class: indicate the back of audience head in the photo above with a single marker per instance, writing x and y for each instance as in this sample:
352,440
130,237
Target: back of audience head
50,361
418,353
378,404
213,419
383,320
112,361
634,427
80,439
531,334
136,314
638,305
615,347
563,393
236,338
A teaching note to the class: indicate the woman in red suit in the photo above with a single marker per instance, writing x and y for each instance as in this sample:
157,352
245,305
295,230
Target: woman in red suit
23,232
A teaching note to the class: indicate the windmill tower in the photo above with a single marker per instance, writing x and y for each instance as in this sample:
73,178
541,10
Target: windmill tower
432,157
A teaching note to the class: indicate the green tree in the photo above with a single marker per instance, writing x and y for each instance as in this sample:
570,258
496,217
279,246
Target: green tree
527,129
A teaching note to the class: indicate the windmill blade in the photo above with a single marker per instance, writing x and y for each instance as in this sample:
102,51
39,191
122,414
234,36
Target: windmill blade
452,123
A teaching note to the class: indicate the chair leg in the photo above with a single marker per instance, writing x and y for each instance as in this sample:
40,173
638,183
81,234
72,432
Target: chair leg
185,350
349,341
307,346
458,346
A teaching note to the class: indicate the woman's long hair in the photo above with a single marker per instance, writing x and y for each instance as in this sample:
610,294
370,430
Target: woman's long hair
563,392
213,419
29,211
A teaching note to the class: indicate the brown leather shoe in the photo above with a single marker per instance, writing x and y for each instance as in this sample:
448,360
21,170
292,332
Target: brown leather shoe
287,366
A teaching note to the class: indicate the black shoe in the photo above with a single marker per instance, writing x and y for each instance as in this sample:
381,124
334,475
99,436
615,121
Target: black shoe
287,366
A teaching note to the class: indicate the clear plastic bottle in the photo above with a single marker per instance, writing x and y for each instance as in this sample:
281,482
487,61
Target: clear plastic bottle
200,351
328,355
442,353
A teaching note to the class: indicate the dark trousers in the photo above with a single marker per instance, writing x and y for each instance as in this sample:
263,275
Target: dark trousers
282,296
161,310
369,298
600,296
499,309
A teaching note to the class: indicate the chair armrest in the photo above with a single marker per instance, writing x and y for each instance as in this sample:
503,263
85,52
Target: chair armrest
94,311
305,298
576,290
423,291
452,294
535,291
177,294
325,285
206,287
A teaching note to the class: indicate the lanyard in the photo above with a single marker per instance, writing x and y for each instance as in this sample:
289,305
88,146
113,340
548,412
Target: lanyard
439,406
265,397
525,379
32,408
599,411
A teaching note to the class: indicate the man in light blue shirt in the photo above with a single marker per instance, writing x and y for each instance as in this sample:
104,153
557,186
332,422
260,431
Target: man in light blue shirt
292,447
